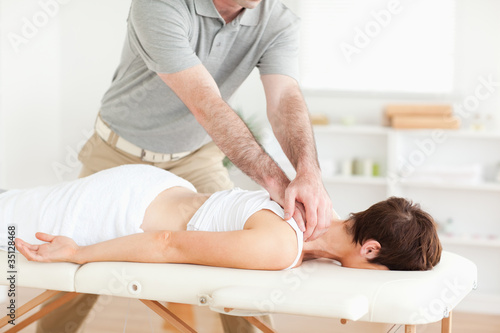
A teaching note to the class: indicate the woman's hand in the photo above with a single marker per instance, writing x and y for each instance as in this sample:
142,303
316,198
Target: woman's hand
58,249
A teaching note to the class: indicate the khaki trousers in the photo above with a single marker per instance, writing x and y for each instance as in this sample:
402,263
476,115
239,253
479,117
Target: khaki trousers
203,168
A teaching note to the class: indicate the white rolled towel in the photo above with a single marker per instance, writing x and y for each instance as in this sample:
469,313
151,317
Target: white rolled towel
106,205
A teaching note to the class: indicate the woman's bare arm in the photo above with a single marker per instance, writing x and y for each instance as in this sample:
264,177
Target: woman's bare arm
141,247
248,249
263,245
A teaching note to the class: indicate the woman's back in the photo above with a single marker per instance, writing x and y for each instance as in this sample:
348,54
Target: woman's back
172,209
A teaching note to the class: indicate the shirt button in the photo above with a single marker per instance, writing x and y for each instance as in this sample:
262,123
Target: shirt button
218,44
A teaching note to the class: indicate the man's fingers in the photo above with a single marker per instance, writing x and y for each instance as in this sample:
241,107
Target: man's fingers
311,217
314,204
325,214
318,231
289,205
299,217
44,237
322,226
310,225
299,220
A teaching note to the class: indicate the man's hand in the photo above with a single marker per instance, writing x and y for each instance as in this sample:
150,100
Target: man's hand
308,190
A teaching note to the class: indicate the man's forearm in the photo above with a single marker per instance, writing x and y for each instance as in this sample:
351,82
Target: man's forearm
234,138
287,112
292,128
199,92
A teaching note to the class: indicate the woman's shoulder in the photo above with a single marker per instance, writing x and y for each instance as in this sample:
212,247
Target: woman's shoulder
280,239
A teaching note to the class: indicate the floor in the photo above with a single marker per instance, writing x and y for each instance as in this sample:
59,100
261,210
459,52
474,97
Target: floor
114,314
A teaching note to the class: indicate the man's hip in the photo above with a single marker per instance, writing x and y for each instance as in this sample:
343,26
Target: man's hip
120,143
202,167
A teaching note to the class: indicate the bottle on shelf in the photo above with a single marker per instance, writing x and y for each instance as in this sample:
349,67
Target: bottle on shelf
368,167
376,169
357,167
346,168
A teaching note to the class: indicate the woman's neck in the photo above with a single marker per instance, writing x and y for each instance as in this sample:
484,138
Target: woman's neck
333,244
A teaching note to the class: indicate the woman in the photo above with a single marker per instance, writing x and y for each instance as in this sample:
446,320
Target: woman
141,213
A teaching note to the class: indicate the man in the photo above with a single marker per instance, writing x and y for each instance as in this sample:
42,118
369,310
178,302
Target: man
181,61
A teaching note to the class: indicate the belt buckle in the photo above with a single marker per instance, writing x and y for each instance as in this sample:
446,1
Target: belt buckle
156,157
174,158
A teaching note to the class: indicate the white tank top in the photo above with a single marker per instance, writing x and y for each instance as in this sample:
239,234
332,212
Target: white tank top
229,210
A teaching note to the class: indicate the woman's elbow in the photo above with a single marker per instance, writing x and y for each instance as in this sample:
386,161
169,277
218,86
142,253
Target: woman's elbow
163,245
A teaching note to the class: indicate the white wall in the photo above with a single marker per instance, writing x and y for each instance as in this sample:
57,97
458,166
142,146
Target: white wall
30,88
51,84
478,50
92,36
477,54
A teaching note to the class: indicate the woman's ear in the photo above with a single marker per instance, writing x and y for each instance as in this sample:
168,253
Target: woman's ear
370,249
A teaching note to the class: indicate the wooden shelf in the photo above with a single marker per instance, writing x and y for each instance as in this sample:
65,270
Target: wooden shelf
493,187
469,134
352,129
382,130
470,241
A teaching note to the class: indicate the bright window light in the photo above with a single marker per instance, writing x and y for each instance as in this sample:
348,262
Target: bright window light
378,46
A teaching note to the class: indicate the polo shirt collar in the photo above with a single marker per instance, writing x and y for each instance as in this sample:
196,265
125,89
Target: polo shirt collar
206,8
249,17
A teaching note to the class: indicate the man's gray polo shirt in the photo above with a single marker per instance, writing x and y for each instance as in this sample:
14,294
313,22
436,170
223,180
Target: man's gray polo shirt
168,36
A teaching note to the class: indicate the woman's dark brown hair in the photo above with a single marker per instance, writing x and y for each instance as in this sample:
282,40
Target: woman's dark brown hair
407,234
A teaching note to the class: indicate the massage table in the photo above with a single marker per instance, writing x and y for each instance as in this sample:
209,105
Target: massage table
316,288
